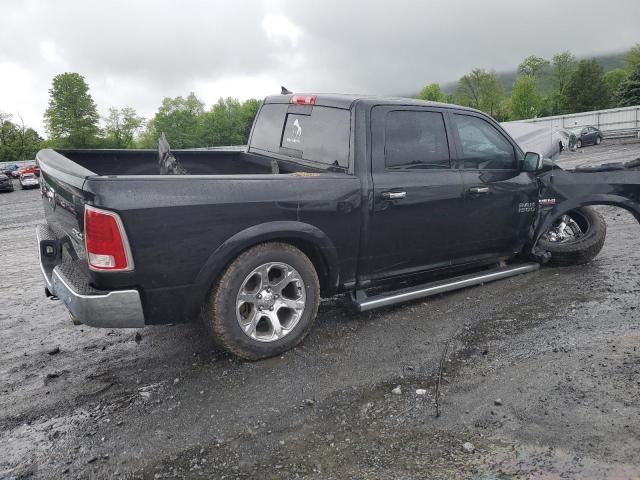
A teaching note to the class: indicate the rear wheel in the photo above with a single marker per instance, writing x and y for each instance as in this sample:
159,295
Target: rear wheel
575,238
265,302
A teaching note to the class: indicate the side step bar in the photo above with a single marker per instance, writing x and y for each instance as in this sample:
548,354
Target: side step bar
364,303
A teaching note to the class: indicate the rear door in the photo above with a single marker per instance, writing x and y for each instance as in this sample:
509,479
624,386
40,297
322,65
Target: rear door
417,194
500,200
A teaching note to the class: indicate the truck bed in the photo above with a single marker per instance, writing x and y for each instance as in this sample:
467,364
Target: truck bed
196,162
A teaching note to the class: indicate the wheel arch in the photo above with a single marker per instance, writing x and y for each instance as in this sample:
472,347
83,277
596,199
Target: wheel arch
312,241
548,218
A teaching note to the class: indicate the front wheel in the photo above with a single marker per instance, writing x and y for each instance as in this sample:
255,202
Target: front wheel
575,238
598,140
579,143
265,303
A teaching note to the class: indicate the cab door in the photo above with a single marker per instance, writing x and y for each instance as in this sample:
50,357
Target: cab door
500,200
418,196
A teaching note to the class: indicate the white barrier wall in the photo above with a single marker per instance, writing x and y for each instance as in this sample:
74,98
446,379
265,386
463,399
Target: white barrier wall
613,122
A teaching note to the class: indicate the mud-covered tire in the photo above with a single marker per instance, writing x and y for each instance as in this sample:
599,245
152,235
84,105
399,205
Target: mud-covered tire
585,248
220,310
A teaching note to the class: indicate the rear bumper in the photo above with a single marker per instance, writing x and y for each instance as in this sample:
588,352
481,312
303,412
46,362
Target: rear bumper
70,283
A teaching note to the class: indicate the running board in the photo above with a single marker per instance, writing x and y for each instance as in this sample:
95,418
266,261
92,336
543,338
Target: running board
364,303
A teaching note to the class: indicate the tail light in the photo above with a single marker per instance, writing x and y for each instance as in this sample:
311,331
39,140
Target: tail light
106,241
304,99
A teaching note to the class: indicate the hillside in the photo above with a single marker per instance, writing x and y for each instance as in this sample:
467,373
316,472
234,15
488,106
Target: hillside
507,79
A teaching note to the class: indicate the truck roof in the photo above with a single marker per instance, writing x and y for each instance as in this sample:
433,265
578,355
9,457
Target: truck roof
347,100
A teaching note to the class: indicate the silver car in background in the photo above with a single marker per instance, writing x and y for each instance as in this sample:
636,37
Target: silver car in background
29,180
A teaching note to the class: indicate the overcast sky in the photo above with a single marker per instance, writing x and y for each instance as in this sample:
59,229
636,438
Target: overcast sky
135,52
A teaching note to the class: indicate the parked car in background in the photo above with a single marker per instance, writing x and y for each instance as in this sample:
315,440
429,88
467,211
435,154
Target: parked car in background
9,169
29,180
6,184
28,169
587,136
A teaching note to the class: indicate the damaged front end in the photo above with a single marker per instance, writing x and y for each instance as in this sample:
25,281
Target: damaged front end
564,191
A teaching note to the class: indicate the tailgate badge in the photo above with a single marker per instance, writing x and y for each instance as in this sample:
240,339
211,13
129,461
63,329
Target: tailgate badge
77,234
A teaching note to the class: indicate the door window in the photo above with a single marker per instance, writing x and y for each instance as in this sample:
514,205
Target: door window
483,146
415,140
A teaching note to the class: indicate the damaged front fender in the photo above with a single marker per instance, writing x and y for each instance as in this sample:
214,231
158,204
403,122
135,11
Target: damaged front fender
564,190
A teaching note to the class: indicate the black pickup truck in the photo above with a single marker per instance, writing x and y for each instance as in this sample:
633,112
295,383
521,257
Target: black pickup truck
386,199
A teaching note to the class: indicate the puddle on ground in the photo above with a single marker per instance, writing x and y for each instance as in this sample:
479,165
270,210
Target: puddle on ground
540,463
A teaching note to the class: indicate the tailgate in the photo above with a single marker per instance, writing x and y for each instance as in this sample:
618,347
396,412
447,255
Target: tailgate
63,200
62,251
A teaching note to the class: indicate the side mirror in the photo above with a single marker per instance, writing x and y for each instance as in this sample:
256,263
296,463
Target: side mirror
532,162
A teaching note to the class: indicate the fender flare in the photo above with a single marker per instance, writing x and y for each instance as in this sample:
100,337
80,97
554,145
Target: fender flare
254,235
547,218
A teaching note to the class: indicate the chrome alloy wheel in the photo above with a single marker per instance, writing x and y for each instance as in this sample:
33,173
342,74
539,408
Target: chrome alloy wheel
566,229
270,302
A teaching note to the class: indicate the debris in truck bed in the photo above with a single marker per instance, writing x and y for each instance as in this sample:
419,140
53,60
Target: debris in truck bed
169,164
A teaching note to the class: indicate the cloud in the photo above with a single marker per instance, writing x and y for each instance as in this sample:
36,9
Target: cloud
137,52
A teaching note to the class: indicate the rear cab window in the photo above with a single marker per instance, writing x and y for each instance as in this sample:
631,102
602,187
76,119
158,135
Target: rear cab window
317,135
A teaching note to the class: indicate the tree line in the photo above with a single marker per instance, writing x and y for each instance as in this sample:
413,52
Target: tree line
542,87
72,121
545,87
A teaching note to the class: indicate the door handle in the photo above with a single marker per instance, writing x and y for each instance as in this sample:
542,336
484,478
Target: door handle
393,195
479,190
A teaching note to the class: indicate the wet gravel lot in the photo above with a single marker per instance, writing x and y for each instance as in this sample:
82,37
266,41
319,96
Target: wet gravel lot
541,374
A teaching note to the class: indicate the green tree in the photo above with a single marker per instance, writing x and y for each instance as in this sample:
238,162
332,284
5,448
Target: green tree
222,124
121,126
180,119
586,89
17,142
433,93
228,122
8,136
248,113
629,91
482,90
525,98
564,64
632,58
562,67
72,118
614,78
533,67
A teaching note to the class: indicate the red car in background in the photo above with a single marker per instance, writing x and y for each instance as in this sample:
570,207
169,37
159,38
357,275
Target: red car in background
28,169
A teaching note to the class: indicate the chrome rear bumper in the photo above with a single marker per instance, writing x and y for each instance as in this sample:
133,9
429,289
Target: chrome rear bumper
70,283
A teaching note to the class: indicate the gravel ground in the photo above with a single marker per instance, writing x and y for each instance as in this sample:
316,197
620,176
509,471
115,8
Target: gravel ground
540,380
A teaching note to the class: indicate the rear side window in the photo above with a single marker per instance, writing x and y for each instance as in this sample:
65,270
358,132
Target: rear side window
267,131
320,137
483,146
415,139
